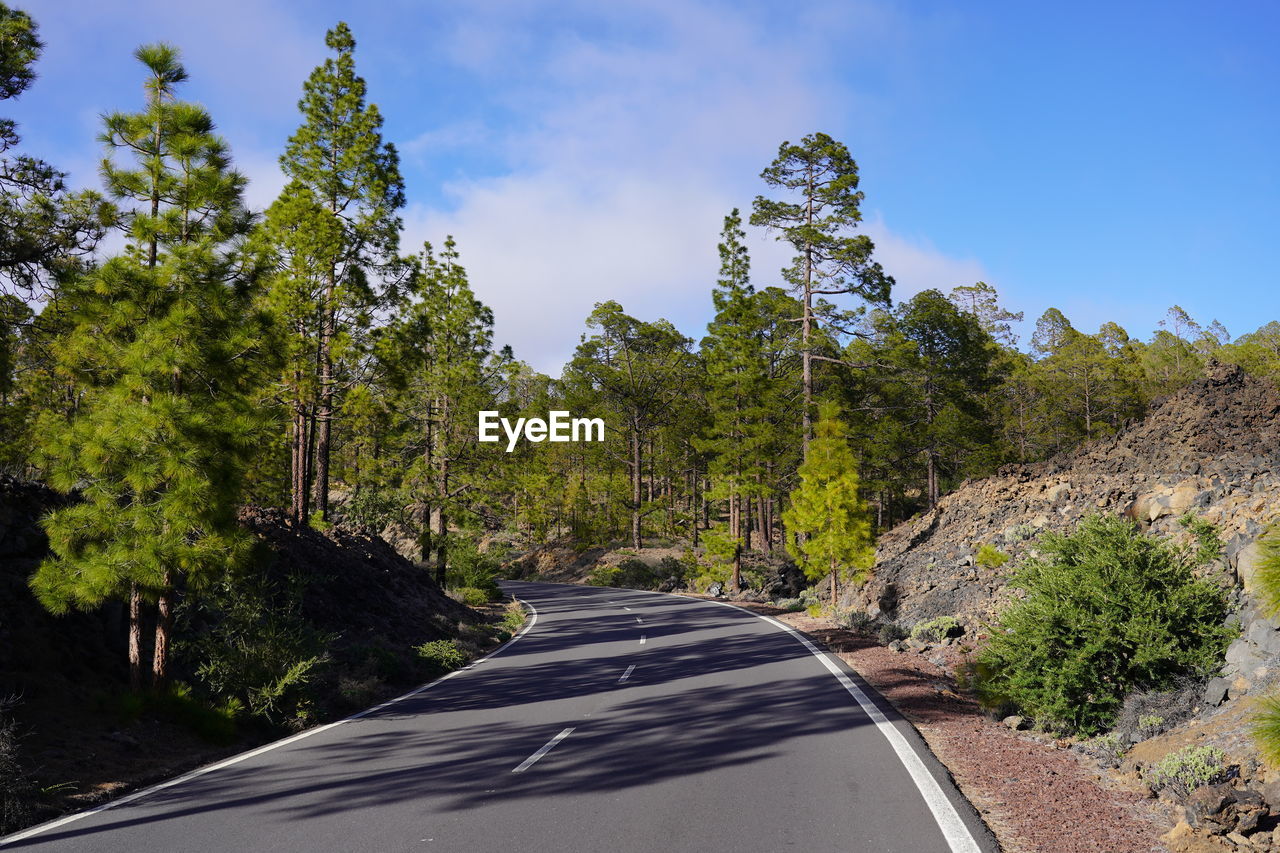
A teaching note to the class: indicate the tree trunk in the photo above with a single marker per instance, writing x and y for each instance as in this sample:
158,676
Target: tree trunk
164,633
834,586
735,525
324,416
763,530
635,486
135,638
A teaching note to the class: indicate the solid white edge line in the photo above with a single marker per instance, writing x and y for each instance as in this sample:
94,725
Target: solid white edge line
944,812
244,756
550,745
626,674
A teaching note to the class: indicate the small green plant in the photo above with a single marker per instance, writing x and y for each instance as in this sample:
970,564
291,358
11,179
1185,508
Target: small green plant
1149,725
470,569
470,596
317,522
1189,768
1266,728
439,657
889,632
513,618
1109,747
605,576
791,605
936,630
856,620
815,610
990,557
1208,542
1106,610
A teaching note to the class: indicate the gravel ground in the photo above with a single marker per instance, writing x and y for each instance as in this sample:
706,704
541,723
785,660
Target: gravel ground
1035,794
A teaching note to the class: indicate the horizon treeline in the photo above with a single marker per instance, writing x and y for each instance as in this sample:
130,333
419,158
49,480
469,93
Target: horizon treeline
301,358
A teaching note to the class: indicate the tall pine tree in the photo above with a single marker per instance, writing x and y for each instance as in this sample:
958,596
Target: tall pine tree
337,156
161,343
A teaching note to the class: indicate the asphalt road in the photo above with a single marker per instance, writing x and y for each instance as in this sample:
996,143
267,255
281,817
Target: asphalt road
621,721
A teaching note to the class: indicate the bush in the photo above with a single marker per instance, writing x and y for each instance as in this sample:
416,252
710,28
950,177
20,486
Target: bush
469,569
1187,769
1142,709
1109,747
470,596
791,605
637,574
439,657
1107,610
937,630
513,618
856,620
258,650
604,576
990,557
890,631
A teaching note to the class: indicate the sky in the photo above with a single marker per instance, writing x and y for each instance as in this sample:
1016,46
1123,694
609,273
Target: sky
1107,159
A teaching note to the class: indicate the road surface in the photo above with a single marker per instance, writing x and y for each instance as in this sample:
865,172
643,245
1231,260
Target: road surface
620,721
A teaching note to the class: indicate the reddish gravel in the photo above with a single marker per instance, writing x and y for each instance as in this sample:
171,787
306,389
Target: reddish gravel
1033,794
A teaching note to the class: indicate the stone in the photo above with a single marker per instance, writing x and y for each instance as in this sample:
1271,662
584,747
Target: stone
1247,559
1240,686
1015,722
1215,692
716,589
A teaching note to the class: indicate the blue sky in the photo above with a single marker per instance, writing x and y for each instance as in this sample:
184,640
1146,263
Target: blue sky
1107,159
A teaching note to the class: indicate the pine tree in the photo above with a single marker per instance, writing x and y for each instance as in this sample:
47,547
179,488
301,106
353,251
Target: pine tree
823,179
828,531
161,343
45,231
338,156
442,346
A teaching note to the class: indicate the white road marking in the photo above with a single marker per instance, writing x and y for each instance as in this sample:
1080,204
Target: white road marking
244,756
958,837
639,620
626,674
551,744
642,639
625,607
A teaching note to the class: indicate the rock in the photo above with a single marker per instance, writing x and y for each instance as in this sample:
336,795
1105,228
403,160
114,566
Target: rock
1240,686
669,584
716,590
1247,558
1215,692
1015,722
897,646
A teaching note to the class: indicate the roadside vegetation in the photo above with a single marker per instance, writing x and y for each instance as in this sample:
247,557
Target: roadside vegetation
1106,611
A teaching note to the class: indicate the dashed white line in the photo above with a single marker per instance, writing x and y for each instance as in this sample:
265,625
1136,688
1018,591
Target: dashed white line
625,607
626,674
551,744
642,639
639,620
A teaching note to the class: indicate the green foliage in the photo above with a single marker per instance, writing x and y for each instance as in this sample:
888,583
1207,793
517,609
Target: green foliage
1206,533
890,631
1106,610
990,557
1268,572
936,630
470,596
1266,728
791,605
1110,747
1189,768
827,527
255,649
605,576
470,569
513,618
439,657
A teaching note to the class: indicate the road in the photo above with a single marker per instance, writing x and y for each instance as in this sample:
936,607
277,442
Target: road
620,721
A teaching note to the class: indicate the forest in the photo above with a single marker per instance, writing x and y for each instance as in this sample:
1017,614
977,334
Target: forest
169,355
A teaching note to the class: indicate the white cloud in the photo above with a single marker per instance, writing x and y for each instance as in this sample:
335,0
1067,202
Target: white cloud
628,158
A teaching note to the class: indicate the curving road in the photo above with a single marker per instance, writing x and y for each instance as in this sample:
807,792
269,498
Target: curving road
620,721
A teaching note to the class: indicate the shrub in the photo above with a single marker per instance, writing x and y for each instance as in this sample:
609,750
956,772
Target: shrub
469,569
815,610
1109,747
439,657
936,630
791,605
856,620
637,574
605,576
890,631
1189,768
1106,610
470,596
513,618
990,557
